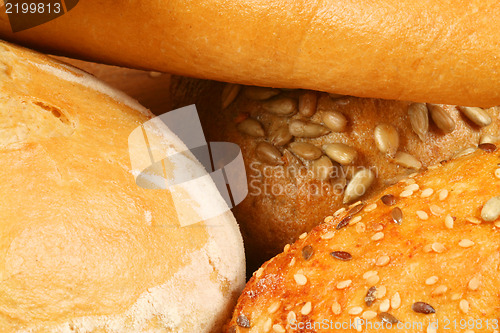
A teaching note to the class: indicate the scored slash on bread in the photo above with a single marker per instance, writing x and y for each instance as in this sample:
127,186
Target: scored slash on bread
437,260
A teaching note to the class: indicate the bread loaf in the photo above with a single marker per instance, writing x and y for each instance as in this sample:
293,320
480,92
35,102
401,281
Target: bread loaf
421,256
424,51
303,150
83,248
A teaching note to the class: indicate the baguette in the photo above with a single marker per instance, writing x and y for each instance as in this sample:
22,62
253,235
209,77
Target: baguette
424,51
429,257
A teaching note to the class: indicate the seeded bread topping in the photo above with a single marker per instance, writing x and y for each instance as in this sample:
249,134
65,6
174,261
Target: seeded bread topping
427,265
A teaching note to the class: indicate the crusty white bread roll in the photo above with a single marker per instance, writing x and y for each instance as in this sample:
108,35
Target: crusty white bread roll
423,251
425,51
82,247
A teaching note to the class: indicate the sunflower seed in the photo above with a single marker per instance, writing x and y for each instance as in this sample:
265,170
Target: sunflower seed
341,255
260,93
358,185
421,307
322,168
251,127
307,103
386,139
477,115
465,152
268,153
335,121
419,119
486,138
281,106
229,94
307,252
406,160
280,136
243,321
387,318
304,129
491,210
305,150
441,118
370,296
340,153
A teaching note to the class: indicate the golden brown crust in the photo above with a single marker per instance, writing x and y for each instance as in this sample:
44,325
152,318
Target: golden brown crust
82,247
427,51
285,200
442,253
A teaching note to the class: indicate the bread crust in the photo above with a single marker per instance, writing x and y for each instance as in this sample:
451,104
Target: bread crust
426,51
442,253
82,247
285,200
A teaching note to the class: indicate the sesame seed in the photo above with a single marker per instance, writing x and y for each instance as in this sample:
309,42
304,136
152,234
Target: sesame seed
469,331
432,280
440,290
369,274
448,221
438,247
436,210
278,328
456,296
328,235
355,220
360,227
302,236
491,210
377,227
336,308
443,194
274,307
328,219
286,248
339,211
368,315
406,194
378,236
267,325
412,187
384,305
427,193
434,166
380,292
396,301
344,284
306,309
259,272
497,224
465,243
422,215
497,173
373,280
473,220
464,306
359,324
427,248
300,279
355,310
474,284
292,262
382,260
291,317
357,203
413,175
371,207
